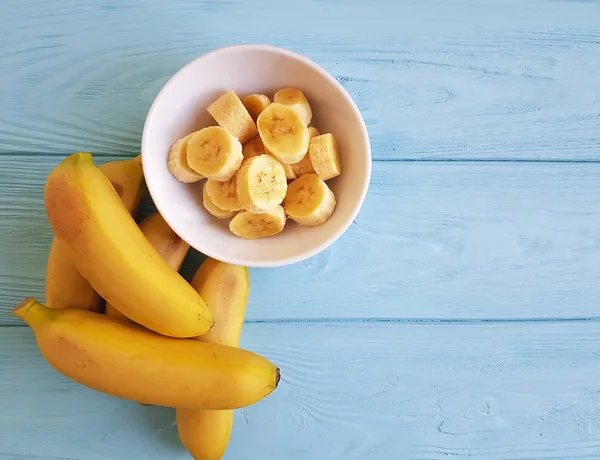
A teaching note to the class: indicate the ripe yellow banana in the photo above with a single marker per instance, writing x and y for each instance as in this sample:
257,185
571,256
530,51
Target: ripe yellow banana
295,99
205,433
253,148
224,194
111,252
65,287
324,156
134,363
304,166
248,225
230,113
177,162
256,103
213,208
309,201
127,178
226,287
261,183
283,133
166,242
214,153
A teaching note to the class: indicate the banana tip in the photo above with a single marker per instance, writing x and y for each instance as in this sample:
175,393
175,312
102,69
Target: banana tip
23,304
277,377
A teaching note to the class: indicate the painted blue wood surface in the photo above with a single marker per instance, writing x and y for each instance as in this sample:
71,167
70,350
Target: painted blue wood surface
435,240
434,79
484,120
349,391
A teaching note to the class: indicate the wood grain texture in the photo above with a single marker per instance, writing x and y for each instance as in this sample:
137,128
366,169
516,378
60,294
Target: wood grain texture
457,318
506,79
420,392
434,240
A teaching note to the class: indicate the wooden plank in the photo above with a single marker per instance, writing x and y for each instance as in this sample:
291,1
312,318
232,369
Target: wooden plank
505,80
434,241
369,391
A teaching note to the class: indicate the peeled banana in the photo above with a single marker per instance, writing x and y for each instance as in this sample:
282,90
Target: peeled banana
258,146
261,183
111,252
283,133
166,242
324,156
224,194
214,153
309,201
177,162
249,225
313,132
295,99
65,286
134,363
256,103
213,208
230,113
206,433
253,148
304,166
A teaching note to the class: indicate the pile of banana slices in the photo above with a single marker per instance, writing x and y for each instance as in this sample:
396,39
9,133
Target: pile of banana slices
249,157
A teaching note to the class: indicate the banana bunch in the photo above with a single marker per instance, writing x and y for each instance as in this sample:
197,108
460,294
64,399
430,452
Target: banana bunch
248,159
161,340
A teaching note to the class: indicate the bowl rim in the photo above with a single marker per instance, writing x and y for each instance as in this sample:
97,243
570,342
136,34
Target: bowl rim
323,72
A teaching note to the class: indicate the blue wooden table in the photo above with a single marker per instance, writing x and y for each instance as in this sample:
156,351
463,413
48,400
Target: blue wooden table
458,318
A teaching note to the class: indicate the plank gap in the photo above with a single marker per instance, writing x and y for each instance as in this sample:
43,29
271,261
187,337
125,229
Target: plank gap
113,156
420,321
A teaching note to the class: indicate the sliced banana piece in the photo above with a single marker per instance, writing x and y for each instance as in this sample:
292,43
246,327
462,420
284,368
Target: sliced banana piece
324,156
255,104
313,132
304,166
251,226
295,98
214,153
230,113
213,208
309,201
283,133
261,184
289,171
253,148
178,164
224,194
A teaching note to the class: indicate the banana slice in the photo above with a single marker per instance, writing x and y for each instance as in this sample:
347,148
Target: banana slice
295,99
255,104
224,194
178,164
230,113
214,153
324,156
251,226
289,171
313,132
283,133
253,148
213,208
309,201
304,166
261,184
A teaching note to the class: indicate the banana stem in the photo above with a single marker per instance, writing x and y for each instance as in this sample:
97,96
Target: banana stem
33,312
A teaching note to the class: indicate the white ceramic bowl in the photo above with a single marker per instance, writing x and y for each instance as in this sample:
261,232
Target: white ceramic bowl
180,108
